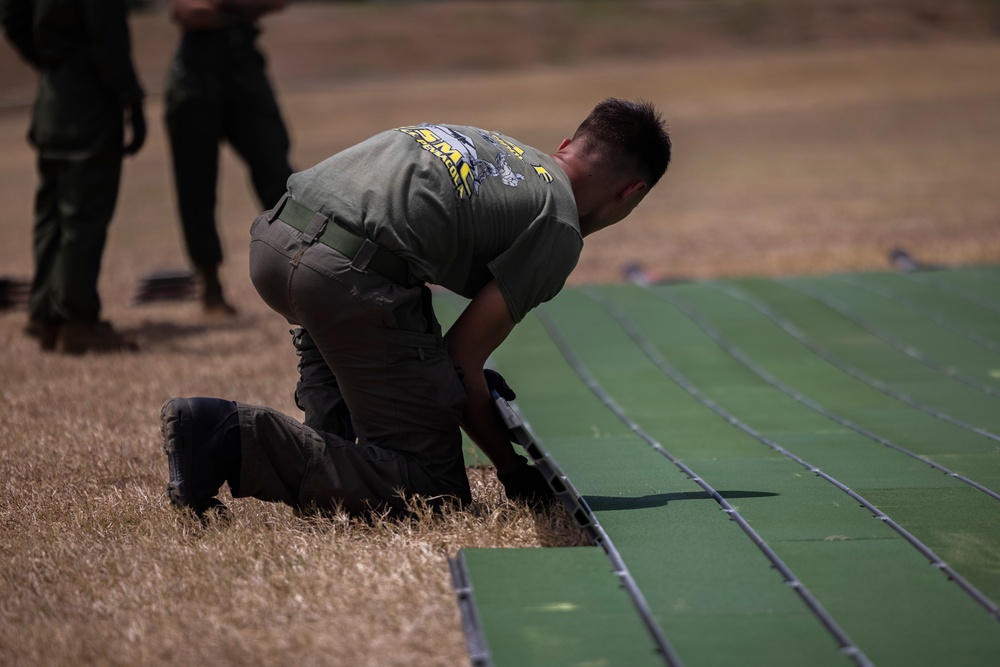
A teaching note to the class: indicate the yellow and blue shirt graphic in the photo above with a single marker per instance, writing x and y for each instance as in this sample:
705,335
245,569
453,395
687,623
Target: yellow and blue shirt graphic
461,158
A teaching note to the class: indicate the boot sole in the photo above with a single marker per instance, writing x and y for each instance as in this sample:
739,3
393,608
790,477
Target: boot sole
178,450
176,428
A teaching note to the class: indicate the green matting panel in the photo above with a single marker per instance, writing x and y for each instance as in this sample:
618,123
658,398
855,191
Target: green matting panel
566,607
799,471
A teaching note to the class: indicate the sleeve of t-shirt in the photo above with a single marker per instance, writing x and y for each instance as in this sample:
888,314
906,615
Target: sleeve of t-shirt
535,267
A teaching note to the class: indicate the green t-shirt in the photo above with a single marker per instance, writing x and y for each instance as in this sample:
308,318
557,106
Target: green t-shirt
461,205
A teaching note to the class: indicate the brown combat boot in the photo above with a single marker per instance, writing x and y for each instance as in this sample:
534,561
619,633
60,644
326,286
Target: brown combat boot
46,331
212,300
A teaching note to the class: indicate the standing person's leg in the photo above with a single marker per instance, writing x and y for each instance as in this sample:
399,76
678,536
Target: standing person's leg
194,126
254,126
43,321
88,192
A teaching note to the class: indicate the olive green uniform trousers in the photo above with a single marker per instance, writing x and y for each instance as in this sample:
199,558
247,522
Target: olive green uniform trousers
383,399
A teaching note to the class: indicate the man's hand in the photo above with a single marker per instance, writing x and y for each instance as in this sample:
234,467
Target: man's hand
135,120
526,484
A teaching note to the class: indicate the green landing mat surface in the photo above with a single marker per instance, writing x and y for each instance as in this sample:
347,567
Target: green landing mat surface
797,471
567,608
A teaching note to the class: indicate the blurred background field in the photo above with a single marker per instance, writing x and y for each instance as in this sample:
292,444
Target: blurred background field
809,137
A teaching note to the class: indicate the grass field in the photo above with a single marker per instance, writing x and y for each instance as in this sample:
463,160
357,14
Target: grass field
789,159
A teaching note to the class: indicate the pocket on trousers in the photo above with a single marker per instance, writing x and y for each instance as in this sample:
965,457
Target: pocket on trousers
426,388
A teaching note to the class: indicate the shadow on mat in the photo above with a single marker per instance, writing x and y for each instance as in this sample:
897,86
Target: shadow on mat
612,503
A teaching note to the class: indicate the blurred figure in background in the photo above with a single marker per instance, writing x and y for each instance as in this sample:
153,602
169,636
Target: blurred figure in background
88,92
217,90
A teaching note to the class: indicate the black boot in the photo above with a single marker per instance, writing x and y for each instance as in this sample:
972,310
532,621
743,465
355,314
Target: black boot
201,438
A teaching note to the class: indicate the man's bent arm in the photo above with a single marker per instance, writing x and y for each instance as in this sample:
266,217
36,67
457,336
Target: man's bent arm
479,330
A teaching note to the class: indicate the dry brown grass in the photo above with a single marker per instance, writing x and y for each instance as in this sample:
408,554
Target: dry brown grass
97,570
96,567
791,160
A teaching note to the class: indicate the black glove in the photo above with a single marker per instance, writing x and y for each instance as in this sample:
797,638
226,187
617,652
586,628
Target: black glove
136,121
526,484
496,383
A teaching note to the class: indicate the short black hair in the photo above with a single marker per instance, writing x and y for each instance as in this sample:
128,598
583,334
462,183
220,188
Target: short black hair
634,132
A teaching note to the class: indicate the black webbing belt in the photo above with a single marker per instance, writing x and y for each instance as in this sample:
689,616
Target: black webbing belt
362,252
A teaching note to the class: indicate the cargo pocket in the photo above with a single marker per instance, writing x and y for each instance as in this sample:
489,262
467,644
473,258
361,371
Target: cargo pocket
426,392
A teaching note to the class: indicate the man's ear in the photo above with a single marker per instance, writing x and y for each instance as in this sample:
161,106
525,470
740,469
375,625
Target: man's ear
565,143
632,187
